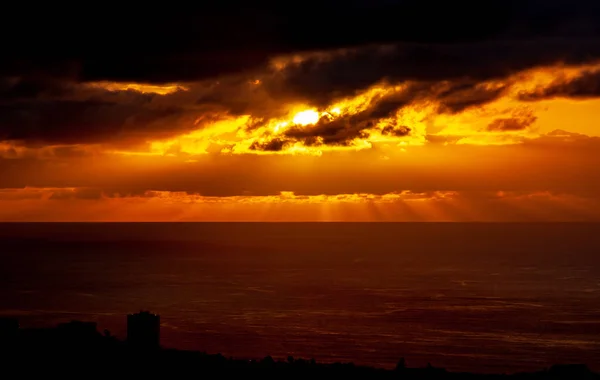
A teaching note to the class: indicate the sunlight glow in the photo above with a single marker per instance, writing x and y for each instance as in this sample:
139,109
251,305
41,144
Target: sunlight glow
307,117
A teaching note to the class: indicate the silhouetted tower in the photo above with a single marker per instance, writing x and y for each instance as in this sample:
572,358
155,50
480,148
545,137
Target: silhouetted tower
143,330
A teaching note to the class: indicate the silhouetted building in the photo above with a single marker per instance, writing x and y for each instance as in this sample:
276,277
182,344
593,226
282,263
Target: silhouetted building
143,330
78,331
9,329
571,371
78,328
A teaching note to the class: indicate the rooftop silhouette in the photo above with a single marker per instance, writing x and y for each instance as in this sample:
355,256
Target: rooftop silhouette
143,330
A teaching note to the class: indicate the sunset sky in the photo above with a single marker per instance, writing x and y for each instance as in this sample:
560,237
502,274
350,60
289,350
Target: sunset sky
484,112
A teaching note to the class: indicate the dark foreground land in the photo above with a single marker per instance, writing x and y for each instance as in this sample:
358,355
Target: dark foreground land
78,349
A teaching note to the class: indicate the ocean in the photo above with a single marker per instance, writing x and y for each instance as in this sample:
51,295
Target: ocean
478,297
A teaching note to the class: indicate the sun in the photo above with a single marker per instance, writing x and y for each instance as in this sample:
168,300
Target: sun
306,117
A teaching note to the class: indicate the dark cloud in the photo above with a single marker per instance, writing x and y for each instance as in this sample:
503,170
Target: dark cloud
517,122
320,78
274,145
239,95
340,131
585,85
461,96
452,97
55,112
16,88
386,106
399,131
64,122
49,111
506,125
187,43
443,52
333,132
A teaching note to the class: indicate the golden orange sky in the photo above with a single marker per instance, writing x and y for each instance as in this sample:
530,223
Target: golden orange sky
521,147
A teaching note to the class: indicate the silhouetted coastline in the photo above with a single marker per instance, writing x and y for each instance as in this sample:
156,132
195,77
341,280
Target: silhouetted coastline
78,348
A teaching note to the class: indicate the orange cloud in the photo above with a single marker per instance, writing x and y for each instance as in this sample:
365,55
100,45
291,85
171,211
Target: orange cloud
85,204
235,116
163,89
491,112
301,134
338,158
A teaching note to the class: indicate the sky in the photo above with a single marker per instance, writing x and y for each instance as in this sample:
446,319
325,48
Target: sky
305,111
